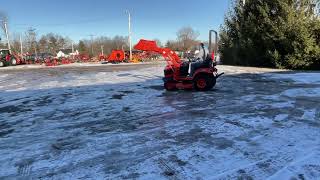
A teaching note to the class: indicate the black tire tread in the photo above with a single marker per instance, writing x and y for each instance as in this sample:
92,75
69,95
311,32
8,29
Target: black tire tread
210,79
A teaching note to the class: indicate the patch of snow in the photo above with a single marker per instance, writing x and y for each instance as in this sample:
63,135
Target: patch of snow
304,78
283,104
167,109
3,75
310,114
303,166
302,92
271,97
248,98
281,117
77,80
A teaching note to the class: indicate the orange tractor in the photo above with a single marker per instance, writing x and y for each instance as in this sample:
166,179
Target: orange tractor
176,71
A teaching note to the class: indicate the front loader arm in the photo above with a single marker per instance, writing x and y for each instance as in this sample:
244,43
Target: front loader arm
151,46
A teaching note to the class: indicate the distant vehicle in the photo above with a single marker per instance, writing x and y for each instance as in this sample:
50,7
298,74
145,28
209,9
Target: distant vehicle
38,58
34,58
6,58
44,56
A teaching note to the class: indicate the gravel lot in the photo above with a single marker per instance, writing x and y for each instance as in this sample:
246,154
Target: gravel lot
117,122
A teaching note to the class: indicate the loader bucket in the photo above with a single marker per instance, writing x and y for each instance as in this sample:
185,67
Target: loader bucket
146,45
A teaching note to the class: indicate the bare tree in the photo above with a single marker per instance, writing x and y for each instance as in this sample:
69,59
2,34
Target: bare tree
43,44
3,19
31,40
108,44
187,38
158,42
174,45
15,42
119,42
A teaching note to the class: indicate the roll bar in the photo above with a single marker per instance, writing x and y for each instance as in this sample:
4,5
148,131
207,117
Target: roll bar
215,48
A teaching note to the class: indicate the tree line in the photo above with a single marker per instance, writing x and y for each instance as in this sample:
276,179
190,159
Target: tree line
272,33
34,43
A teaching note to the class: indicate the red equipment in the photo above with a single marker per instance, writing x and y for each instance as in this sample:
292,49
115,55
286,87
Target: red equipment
8,59
176,71
81,58
116,56
20,59
102,57
65,60
51,62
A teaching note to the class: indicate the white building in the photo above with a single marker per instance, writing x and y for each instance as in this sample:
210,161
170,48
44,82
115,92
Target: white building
67,53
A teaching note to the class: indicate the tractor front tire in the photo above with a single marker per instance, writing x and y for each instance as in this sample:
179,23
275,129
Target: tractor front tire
204,82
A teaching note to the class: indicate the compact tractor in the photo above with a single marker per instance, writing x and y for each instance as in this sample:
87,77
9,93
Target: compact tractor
6,58
176,72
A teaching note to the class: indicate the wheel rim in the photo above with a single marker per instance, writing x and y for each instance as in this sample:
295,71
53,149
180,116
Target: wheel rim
201,83
14,61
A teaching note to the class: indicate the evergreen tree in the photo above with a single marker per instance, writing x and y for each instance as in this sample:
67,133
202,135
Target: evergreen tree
82,47
271,33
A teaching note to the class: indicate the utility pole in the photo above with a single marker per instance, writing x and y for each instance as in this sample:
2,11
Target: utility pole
102,50
72,47
129,27
91,35
7,34
21,46
33,40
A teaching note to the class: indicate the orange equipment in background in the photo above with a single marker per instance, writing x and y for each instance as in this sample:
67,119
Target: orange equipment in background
116,56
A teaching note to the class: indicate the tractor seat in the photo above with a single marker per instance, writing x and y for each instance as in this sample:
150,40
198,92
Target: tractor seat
184,69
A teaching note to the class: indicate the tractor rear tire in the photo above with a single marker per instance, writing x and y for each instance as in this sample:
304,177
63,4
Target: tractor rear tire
204,82
13,62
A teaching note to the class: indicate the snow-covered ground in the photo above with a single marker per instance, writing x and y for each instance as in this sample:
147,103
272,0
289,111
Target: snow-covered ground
121,124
